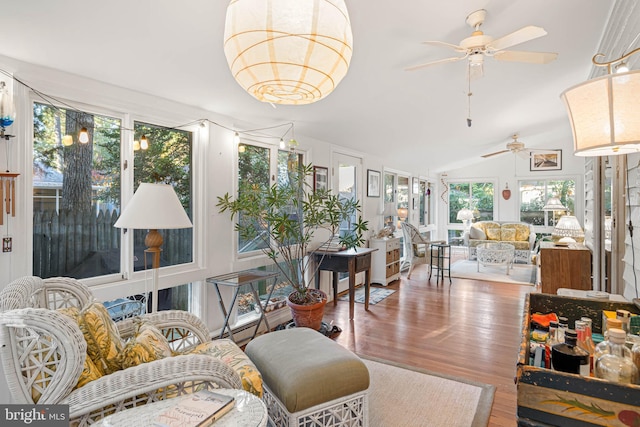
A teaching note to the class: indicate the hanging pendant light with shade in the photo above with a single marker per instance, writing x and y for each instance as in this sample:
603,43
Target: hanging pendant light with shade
288,51
604,112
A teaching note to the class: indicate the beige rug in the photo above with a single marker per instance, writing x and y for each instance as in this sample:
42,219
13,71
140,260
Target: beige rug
521,274
412,397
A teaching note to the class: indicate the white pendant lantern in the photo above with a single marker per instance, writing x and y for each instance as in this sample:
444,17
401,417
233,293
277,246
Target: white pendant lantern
288,51
604,115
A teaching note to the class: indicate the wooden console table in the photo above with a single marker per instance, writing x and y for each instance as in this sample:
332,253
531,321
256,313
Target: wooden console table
351,261
564,267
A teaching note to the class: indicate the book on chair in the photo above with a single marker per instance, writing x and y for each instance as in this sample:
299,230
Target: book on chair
199,409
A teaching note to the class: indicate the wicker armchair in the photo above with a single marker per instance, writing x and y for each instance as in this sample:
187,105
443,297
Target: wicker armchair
417,249
43,351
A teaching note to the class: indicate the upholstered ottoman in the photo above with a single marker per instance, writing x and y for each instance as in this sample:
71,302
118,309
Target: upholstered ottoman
309,380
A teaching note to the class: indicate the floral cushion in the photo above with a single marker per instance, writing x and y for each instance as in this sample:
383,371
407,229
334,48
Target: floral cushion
146,345
493,233
103,339
507,234
227,351
90,371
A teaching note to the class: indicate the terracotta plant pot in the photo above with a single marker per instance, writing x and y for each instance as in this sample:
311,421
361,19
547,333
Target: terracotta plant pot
308,315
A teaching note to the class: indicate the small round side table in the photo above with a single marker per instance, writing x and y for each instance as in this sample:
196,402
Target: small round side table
248,411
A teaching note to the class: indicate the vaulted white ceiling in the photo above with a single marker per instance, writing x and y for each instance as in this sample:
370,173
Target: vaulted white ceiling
174,50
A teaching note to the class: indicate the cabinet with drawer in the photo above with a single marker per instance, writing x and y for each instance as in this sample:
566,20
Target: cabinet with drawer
385,262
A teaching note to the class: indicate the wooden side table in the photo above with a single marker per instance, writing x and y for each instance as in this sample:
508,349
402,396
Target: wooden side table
564,267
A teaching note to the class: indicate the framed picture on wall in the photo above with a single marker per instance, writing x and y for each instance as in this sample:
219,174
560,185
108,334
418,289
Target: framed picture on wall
320,178
548,161
373,183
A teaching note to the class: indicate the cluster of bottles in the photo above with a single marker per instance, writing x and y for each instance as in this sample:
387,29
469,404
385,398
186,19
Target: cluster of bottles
615,358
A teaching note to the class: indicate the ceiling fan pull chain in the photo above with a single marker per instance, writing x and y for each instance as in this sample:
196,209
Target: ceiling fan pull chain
469,94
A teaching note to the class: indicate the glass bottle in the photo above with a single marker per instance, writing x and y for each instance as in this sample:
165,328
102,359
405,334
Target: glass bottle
617,365
568,357
635,355
625,317
552,340
563,325
583,341
603,347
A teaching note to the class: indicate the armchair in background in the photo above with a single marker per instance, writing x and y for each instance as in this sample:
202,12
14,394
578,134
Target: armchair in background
417,249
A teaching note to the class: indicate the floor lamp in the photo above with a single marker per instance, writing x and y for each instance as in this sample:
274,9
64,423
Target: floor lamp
154,207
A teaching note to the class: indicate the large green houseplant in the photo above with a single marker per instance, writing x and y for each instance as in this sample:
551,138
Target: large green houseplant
285,217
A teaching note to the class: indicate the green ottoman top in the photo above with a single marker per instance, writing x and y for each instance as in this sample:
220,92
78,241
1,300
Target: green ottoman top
303,368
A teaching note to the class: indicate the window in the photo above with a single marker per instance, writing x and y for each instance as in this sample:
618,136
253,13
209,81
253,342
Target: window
167,160
534,195
477,196
403,199
424,202
76,193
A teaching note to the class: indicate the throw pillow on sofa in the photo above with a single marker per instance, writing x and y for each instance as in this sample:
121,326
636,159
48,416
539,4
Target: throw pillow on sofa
507,234
146,345
493,233
101,334
477,234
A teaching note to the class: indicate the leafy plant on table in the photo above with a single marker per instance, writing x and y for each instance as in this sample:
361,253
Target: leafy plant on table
285,218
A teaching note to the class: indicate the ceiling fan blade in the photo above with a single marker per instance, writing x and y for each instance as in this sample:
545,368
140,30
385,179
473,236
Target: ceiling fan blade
495,154
445,44
520,36
529,57
440,61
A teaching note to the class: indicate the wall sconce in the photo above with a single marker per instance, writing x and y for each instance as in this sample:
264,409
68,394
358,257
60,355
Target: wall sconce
288,51
604,112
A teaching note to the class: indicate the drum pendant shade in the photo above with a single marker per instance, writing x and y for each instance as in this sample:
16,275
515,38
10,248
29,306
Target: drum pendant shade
288,51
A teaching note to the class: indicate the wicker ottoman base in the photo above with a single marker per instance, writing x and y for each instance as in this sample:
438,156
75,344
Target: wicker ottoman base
310,381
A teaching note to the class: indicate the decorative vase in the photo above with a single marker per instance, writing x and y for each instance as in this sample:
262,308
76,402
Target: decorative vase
308,315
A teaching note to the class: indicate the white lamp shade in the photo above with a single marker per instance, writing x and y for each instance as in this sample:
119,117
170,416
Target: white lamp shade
568,226
464,214
604,115
554,204
389,209
154,207
288,51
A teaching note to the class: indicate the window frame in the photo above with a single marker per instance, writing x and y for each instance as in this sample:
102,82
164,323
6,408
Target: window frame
547,228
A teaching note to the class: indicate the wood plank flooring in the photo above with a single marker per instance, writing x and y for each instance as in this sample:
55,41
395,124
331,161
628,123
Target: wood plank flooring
469,329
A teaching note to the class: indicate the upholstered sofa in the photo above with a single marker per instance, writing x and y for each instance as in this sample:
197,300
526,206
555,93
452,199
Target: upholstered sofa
518,234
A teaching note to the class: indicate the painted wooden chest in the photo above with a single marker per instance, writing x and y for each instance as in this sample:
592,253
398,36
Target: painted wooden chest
551,398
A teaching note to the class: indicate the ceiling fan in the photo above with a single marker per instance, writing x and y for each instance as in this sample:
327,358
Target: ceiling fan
518,148
475,47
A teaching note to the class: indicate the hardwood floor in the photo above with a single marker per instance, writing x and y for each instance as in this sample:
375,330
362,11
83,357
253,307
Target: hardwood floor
469,329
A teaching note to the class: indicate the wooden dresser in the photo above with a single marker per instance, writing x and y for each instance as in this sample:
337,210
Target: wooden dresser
564,267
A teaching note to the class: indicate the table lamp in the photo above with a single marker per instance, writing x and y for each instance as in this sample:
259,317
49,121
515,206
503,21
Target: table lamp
389,211
154,207
567,228
465,215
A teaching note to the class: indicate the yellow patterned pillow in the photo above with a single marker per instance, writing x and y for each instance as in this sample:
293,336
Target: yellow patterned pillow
522,232
146,345
90,371
507,234
103,339
493,233
227,351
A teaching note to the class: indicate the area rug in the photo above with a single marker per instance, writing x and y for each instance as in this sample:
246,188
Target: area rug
520,274
411,397
375,295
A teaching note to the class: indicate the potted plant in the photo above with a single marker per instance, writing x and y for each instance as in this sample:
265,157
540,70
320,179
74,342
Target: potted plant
286,217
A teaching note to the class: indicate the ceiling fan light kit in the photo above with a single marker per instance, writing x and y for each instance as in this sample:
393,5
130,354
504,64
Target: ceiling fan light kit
604,112
288,51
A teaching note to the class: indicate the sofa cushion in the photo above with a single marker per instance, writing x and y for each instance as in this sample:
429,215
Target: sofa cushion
90,371
477,233
493,233
507,234
523,232
146,345
227,351
101,334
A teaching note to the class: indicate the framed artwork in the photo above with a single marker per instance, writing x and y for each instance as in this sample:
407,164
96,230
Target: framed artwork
320,178
373,183
548,161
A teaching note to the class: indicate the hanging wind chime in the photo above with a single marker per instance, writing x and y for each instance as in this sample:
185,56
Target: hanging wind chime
7,178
